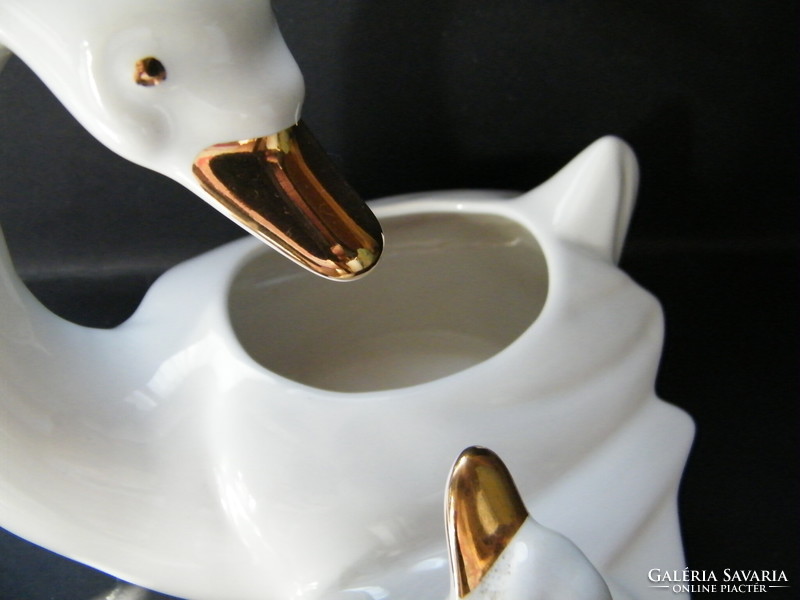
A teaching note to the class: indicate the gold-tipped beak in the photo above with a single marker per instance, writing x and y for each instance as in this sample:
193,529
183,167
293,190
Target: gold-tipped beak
484,511
286,191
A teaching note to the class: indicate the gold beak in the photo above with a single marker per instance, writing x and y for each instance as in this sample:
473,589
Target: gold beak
285,190
483,512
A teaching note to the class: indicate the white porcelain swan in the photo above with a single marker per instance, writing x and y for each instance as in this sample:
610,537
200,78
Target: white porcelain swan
211,448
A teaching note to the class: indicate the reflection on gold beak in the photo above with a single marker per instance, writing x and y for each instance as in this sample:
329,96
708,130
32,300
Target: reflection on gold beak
285,190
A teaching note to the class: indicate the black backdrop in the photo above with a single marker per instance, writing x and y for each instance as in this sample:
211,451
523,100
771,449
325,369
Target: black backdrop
412,95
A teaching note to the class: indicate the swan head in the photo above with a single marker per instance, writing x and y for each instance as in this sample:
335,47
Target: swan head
497,550
206,93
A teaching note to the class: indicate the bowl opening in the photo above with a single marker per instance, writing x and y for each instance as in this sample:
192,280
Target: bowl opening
451,290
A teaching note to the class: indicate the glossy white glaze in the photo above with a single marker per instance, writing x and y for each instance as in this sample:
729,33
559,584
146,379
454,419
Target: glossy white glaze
540,564
227,65
162,452
239,438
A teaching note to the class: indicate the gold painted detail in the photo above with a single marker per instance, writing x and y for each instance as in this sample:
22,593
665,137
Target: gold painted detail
484,511
149,72
286,191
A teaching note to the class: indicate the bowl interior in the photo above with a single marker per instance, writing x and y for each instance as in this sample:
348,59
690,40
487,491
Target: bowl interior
451,290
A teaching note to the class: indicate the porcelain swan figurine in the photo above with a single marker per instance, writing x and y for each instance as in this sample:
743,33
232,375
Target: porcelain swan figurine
212,449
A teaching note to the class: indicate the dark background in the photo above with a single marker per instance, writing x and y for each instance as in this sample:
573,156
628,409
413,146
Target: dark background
411,95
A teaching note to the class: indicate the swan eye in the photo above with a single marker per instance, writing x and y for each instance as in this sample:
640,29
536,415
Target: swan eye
149,72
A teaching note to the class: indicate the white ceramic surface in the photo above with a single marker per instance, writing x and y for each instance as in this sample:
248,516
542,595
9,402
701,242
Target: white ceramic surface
253,432
541,564
163,452
227,66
